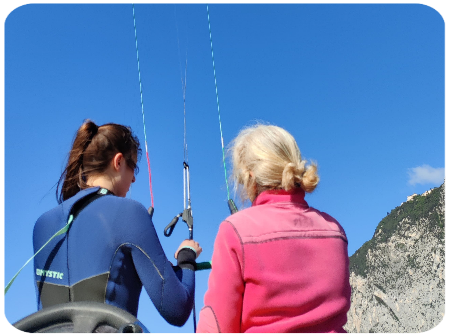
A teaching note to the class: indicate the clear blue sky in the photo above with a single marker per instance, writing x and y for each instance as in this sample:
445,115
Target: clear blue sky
360,87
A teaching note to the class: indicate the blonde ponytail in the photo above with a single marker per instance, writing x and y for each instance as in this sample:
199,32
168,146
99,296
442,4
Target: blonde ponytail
310,178
266,157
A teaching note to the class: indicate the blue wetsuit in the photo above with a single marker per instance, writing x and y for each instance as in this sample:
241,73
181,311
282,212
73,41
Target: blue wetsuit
109,252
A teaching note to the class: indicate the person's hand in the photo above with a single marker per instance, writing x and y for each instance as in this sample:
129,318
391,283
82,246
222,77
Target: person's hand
191,243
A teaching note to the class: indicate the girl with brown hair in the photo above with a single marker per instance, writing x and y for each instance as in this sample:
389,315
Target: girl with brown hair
111,249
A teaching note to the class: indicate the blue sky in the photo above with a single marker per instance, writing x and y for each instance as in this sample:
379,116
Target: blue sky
360,87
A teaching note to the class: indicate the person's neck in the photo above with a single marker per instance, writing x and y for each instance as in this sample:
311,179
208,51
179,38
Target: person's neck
102,182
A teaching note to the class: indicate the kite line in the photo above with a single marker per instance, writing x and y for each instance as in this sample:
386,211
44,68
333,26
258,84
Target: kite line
143,114
231,204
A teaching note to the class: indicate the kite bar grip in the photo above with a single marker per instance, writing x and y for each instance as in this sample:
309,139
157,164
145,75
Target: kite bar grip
203,265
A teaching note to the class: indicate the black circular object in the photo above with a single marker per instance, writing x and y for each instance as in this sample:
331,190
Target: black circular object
81,317
130,328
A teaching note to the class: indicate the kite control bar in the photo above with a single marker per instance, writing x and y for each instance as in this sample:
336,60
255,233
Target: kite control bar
187,217
187,212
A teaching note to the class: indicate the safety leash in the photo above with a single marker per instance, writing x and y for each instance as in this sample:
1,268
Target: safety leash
60,232
76,209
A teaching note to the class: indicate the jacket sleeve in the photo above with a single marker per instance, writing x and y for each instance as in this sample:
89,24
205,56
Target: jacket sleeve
171,292
223,300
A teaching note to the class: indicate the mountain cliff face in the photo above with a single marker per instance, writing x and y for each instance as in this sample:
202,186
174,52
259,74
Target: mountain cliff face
397,277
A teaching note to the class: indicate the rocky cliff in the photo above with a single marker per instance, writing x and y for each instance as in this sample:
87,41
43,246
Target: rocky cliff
397,277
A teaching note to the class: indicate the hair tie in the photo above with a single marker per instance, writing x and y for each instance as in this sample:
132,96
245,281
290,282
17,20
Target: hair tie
94,131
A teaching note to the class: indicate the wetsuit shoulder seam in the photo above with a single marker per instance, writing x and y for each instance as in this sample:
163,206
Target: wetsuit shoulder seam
141,250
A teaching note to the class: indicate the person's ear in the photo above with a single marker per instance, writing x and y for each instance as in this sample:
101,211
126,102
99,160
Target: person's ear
117,161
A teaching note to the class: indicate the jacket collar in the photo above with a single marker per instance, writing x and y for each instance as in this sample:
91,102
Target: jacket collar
276,196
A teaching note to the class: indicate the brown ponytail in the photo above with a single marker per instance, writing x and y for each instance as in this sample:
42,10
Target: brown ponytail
92,150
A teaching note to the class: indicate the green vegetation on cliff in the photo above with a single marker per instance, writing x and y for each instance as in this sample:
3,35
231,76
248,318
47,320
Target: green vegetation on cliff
420,207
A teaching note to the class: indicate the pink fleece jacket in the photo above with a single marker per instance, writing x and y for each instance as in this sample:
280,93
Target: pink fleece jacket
278,266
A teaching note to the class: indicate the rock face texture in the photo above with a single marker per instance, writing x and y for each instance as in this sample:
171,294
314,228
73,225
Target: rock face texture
397,277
